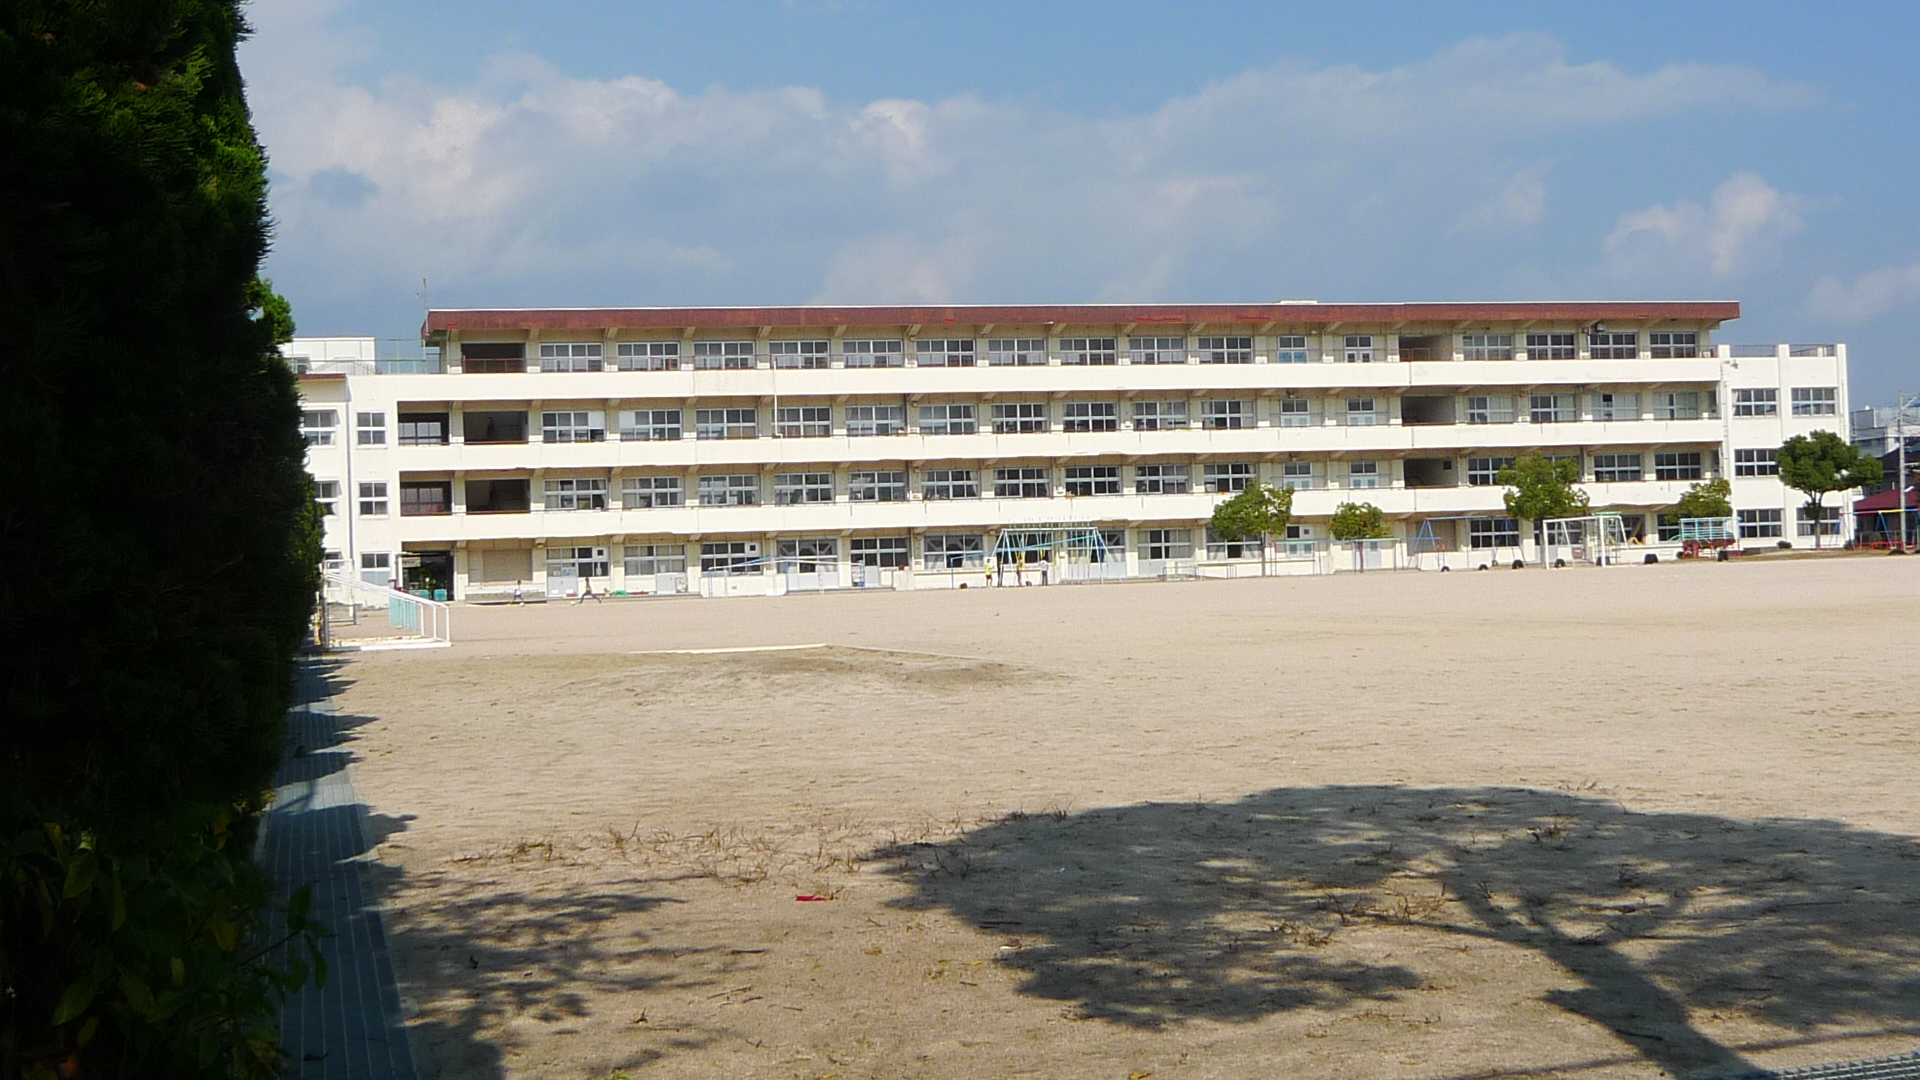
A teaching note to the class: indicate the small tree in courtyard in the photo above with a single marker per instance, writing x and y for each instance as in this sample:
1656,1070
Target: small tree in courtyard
1814,465
1539,489
1706,499
1259,511
1358,521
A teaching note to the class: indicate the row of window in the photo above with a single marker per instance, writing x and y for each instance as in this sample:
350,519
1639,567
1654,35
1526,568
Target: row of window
1033,351
1806,401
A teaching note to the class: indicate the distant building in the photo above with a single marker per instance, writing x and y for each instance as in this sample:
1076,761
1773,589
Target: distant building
1876,428
735,450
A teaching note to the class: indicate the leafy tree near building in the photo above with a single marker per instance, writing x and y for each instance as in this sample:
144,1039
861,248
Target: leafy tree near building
1823,462
1706,499
164,539
1541,488
1259,511
1358,521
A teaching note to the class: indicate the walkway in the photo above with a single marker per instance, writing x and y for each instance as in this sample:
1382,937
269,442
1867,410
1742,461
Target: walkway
317,832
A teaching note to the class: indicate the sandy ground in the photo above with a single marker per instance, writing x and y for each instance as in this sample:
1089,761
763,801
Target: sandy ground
1597,823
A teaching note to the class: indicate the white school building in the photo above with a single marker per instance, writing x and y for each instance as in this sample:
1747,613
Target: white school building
730,451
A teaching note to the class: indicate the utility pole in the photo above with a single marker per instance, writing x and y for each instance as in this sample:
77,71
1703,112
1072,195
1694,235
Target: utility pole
1902,403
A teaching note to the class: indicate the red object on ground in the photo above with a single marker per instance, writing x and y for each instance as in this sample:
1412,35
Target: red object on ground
810,897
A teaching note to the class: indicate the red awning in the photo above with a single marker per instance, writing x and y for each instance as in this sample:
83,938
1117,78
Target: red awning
1886,500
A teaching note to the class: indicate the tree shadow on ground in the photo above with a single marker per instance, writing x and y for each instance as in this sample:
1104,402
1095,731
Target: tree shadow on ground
1155,914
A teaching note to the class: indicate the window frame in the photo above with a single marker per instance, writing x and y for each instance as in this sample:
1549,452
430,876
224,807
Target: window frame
886,552
653,492
1020,417
1226,477
1756,401
1089,351
1673,344
1552,345
1085,481
877,486
573,426
944,485
1086,416
802,488
1757,461
567,494
943,419
873,352
1022,482
871,420
1618,469
1487,346
952,352
1163,478
373,498
1677,467
1017,352
728,489
655,426
724,355
1613,345
1815,401
798,354
725,423
1224,348
1232,414
647,356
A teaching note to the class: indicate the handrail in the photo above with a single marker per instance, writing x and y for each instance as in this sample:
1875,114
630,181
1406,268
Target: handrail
430,621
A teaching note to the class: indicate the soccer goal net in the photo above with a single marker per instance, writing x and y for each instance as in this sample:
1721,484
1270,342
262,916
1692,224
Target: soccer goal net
1599,539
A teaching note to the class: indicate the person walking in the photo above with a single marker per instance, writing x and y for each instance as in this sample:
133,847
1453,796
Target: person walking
587,593
517,598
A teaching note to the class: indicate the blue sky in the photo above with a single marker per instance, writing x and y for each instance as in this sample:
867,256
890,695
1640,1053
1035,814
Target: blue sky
592,153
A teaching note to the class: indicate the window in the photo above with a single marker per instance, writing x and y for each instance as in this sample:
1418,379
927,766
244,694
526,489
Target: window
333,561
1756,402
373,498
651,425
886,551
1162,479
807,555
722,355
1616,406
648,492
1296,412
1759,524
801,488
1226,477
725,424
1613,345
1297,475
573,427
479,358
316,426
570,356
954,551
1231,549
1091,416
1363,474
730,557
577,493
327,494
1022,484
1223,414
499,496
1756,462
423,429
1490,409
370,428
648,356
1018,417
947,420
1489,346
1485,471
1159,415
1298,543
1225,350
1813,400
736,489
873,352
646,560
1163,544
421,498
495,427
799,354
1676,405
1093,480
1097,351
1673,345
1359,349
376,567
1360,412
876,419
1552,408
1826,519
950,484
877,486
1616,468
803,422
1550,347
1290,349
1487,533
944,352
1017,352
1679,465
1158,350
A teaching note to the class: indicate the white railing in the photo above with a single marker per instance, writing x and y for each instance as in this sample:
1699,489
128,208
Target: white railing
347,601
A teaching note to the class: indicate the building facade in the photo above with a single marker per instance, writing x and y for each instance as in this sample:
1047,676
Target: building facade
740,450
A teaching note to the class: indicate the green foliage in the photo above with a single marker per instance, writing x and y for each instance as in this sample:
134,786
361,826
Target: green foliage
1539,489
1822,463
163,537
1706,499
1358,521
1259,511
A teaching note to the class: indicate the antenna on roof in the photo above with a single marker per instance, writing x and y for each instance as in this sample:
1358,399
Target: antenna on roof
422,294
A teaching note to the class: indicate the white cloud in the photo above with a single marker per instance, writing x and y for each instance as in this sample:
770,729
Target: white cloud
1740,227
1520,203
1872,294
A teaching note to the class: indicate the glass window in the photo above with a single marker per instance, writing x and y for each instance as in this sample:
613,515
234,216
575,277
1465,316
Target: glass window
876,419
1361,412
646,560
1760,401
1490,408
731,557
1363,474
573,426
648,492
737,489
1553,408
425,498
1488,347
873,353
723,355
576,493
725,424
1485,471
807,554
1677,465
944,352
799,354
1097,351
1296,412
1225,350
1615,406
423,429
1162,479
1017,352
877,486
1616,468
1093,480
1814,401
570,356
373,498
1226,477
1487,533
648,356
802,421
947,420
1550,347
954,551
1163,544
1221,414
1673,344
1676,405
1022,483
1759,524
327,494
1296,475
950,484
1159,415
884,551
1290,349
370,428
1359,348
651,425
1825,519
316,426
376,567
1764,462
801,488
1158,350
1231,549
1017,417
1614,345
1091,416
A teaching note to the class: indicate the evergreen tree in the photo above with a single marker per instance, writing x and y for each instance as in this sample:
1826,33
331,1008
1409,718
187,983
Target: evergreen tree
1825,462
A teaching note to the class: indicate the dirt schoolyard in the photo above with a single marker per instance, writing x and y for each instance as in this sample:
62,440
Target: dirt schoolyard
1632,822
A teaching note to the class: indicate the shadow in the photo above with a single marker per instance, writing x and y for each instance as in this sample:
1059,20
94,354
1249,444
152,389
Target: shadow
1155,914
